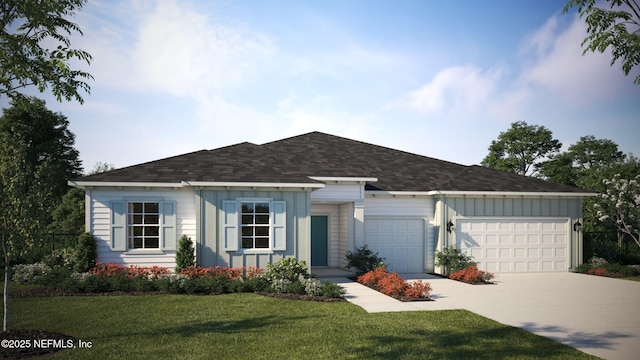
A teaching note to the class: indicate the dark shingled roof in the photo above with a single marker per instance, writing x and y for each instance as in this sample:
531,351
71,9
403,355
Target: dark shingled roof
295,159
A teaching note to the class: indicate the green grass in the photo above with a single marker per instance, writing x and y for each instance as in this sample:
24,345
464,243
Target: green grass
249,326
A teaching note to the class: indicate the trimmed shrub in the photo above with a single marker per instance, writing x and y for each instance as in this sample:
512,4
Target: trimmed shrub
453,260
331,290
84,254
364,260
185,256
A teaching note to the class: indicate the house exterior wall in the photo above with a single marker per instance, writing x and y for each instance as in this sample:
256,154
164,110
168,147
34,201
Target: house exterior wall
210,247
99,220
450,208
406,206
338,193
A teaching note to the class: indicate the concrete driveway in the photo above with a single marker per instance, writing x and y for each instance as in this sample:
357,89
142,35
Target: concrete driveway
597,315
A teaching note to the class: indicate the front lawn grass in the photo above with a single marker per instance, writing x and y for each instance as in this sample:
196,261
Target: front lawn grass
250,326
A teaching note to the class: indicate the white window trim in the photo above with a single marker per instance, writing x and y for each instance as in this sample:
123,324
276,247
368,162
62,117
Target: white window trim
255,250
238,226
163,224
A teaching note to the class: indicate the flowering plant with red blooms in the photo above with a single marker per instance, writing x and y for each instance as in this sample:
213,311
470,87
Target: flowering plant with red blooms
253,272
372,277
601,271
418,290
132,271
393,285
471,275
107,270
196,272
148,272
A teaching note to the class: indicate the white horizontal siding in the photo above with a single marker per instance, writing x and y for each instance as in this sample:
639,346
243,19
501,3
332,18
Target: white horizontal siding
338,192
399,206
100,217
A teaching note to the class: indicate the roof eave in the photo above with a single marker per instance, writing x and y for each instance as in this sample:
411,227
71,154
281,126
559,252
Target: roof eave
513,193
189,184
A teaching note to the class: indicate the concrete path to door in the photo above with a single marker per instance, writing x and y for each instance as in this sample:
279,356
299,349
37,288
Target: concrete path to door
597,315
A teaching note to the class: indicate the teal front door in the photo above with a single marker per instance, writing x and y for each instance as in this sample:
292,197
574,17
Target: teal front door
319,240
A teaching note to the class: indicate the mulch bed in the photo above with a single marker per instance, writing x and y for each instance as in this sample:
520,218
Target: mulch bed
26,347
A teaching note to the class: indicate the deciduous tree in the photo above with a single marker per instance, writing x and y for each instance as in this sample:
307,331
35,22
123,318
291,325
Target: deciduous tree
36,159
616,28
521,149
620,203
35,48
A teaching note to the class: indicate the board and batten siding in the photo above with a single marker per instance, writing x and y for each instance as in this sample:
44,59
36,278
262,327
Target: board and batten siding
410,207
100,219
210,246
514,207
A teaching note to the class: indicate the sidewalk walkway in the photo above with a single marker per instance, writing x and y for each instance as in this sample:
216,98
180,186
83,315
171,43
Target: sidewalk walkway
594,314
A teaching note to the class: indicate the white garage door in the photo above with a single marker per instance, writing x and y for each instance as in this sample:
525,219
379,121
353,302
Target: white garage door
399,241
515,245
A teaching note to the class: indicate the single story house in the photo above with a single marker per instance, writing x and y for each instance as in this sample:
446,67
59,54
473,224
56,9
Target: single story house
317,196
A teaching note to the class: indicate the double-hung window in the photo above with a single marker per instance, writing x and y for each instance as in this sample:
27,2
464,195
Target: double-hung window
255,225
143,225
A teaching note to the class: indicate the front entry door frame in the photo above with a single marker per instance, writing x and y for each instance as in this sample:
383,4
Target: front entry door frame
319,240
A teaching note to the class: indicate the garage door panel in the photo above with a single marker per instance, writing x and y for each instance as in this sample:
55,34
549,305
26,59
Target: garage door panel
515,245
399,241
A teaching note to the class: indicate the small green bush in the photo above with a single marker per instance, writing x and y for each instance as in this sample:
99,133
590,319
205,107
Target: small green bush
364,260
296,287
287,269
331,290
453,260
84,254
219,284
583,268
61,258
185,256
254,284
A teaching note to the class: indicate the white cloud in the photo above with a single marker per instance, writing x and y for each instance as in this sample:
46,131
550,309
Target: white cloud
550,71
176,49
451,90
183,52
559,67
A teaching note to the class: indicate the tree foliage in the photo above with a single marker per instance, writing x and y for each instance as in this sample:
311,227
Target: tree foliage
36,158
617,28
521,149
582,163
620,203
35,48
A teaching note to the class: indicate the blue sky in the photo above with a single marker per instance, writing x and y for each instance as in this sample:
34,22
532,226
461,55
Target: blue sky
437,78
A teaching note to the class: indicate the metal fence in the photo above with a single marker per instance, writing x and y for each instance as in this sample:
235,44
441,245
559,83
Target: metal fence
44,245
609,246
